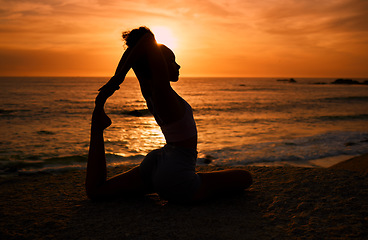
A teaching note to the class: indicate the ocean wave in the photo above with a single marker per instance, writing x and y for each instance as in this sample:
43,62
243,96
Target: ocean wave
10,114
11,111
250,89
343,117
36,163
45,132
345,99
135,112
5,111
73,101
62,163
319,146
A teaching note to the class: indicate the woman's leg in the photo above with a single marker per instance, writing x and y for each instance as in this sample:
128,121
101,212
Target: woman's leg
222,182
97,185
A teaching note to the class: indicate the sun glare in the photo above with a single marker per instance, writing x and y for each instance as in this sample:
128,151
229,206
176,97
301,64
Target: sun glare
164,35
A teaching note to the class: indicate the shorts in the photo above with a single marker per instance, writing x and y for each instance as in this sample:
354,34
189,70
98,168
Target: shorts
170,171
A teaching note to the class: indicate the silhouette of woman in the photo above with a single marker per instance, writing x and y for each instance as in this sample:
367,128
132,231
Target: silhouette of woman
168,171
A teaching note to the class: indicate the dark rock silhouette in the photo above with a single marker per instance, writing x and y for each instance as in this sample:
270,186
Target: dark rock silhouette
345,81
291,80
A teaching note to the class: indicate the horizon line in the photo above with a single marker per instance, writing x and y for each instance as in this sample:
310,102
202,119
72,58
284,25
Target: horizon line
188,76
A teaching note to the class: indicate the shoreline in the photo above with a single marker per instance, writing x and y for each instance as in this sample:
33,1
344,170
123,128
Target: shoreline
81,165
325,162
285,202
358,163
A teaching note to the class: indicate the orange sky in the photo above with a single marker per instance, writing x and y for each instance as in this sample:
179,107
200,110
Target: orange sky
268,38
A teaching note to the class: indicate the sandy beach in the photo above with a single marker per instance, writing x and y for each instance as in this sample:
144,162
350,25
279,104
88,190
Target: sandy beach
283,203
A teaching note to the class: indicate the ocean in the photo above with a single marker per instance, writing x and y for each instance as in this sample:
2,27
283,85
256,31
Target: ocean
45,121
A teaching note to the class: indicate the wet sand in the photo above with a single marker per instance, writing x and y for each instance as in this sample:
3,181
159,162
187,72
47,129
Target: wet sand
283,203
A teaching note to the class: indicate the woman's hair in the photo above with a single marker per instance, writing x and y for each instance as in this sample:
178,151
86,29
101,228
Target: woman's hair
132,37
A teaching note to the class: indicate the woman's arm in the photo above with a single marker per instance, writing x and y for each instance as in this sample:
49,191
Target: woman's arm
130,56
120,73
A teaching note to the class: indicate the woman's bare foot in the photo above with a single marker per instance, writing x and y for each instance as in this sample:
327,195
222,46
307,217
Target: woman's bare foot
99,118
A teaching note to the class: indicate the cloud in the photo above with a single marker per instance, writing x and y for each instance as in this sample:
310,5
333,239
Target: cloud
304,27
53,62
24,8
54,23
208,30
300,17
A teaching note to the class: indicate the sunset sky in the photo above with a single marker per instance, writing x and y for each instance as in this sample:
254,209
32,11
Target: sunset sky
243,38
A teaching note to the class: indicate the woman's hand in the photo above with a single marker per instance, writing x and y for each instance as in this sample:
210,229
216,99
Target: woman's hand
112,84
106,91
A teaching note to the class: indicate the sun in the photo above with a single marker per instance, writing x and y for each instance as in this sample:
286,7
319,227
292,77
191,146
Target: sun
164,35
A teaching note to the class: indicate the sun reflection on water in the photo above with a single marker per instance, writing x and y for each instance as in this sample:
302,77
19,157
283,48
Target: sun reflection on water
142,136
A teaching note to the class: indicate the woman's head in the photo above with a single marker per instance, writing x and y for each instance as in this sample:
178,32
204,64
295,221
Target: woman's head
172,66
132,37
